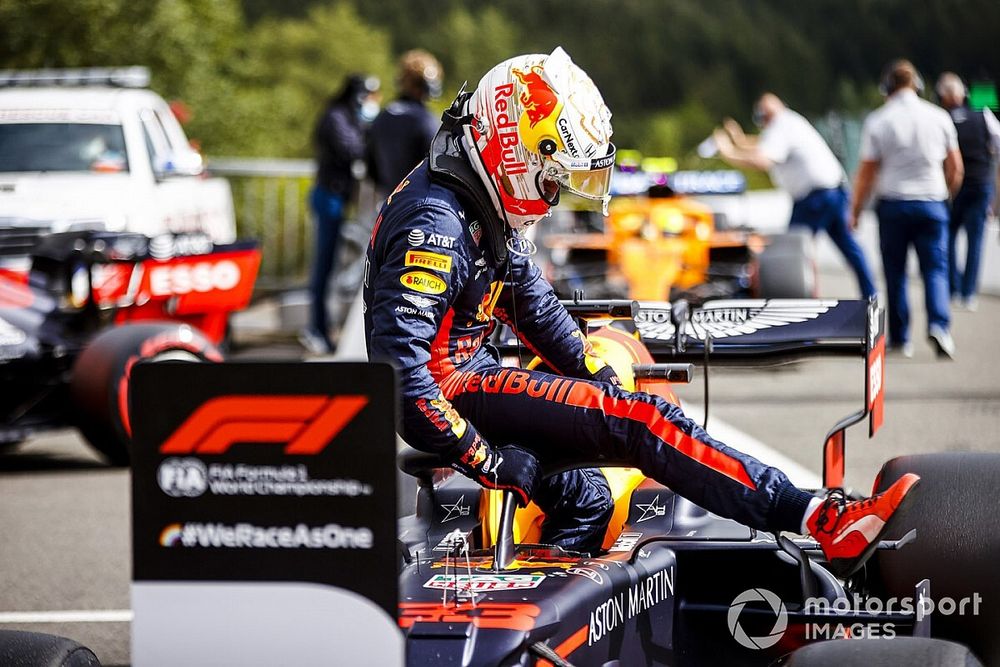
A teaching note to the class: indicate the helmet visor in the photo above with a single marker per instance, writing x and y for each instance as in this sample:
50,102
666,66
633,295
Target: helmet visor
589,178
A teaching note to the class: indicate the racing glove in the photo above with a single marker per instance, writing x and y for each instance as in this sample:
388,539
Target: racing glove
508,468
608,375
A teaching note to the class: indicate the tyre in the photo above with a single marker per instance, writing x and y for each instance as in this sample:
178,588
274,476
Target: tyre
958,538
42,650
100,379
883,653
787,269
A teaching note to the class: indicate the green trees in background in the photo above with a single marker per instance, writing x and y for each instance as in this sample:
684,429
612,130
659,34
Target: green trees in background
252,90
271,86
255,72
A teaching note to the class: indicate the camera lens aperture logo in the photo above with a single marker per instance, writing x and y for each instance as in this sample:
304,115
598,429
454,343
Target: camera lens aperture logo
759,597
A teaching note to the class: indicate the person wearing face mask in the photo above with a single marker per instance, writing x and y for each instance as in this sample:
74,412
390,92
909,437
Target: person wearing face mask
800,162
402,132
339,140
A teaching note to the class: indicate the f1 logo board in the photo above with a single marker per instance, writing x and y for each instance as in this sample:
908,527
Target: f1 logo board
264,514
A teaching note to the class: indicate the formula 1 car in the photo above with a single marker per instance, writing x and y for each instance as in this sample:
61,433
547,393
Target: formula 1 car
661,243
92,305
675,584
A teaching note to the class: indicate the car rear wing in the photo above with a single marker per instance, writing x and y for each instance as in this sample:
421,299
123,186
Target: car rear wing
758,332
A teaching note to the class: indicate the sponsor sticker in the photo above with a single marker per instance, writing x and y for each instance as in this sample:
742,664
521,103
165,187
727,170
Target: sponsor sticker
421,281
419,301
200,277
651,510
419,237
626,605
407,310
429,260
416,237
249,536
455,540
455,510
441,241
626,542
484,583
593,575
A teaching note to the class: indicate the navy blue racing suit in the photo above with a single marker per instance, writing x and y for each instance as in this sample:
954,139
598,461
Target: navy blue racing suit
430,297
431,293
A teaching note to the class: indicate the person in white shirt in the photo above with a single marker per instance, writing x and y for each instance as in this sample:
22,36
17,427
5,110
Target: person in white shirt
910,158
979,143
800,162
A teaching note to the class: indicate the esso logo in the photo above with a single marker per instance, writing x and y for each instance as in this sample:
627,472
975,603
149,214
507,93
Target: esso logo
200,277
875,378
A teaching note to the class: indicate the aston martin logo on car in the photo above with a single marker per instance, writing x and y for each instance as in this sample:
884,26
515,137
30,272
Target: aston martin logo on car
722,319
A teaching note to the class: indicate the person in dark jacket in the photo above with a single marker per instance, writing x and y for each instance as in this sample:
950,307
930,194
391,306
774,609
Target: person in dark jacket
402,132
447,255
339,138
979,143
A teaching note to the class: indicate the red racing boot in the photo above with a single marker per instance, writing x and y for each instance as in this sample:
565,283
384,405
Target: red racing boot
849,531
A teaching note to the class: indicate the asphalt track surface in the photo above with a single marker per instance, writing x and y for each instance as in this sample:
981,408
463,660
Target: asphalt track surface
65,522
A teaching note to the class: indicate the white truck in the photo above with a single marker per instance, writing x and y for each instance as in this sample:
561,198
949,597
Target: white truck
95,149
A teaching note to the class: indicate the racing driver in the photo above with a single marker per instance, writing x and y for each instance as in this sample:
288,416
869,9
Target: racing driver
447,256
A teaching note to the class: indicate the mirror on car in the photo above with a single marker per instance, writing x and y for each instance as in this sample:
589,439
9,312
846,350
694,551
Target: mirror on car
178,163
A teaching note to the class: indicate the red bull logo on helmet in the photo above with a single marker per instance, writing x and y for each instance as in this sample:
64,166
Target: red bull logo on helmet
538,98
506,130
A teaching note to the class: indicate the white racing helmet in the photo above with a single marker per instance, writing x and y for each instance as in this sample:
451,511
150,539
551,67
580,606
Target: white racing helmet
539,125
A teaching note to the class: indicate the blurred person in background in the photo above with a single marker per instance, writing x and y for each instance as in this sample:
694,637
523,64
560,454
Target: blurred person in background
910,158
402,132
979,143
800,162
339,139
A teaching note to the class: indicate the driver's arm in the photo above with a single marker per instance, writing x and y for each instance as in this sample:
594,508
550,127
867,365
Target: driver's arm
405,320
530,307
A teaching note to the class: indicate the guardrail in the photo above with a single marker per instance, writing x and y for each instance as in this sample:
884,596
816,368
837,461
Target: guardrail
271,198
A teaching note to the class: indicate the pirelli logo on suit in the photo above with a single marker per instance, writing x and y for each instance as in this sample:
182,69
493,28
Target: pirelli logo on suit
429,260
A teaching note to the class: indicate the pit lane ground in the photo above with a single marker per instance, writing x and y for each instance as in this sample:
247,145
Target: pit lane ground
64,514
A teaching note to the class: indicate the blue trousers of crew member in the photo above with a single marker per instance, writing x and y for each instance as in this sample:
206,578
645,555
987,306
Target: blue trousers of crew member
328,209
968,212
826,210
924,225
